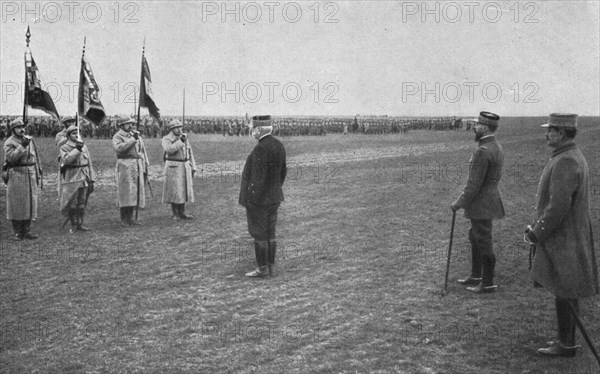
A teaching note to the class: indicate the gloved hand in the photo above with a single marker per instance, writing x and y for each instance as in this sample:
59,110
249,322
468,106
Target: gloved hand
91,187
454,207
529,236
136,134
25,142
183,137
79,146
193,173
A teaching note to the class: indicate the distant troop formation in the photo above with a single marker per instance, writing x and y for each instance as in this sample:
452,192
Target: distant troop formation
150,127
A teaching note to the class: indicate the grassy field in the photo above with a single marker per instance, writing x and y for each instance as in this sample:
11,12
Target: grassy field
363,236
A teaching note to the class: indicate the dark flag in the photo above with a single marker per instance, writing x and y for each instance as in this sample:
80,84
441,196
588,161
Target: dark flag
35,97
146,94
88,103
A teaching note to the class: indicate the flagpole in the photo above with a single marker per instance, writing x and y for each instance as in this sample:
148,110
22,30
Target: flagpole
25,99
77,114
137,124
183,122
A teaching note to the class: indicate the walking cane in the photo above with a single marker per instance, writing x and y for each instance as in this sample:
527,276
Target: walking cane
449,253
584,332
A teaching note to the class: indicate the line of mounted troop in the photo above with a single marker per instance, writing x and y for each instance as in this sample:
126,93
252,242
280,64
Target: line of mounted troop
45,126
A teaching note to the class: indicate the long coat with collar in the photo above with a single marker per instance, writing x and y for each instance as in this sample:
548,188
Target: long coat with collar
178,187
481,196
79,172
565,262
264,173
22,188
132,165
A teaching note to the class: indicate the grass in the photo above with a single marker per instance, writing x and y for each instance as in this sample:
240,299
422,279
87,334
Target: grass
363,241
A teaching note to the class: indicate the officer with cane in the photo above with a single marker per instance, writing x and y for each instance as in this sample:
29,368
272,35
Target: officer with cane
482,203
565,260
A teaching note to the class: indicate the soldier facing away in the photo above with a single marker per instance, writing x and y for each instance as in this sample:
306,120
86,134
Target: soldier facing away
261,193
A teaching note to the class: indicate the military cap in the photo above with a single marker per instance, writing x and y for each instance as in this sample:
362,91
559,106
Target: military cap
68,119
15,123
260,121
562,120
488,119
122,120
175,123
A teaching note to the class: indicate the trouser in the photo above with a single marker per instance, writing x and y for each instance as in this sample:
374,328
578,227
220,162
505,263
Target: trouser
483,260
79,200
76,207
262,220
566,321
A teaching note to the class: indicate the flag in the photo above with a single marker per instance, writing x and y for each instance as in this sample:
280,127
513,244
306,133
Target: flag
35,96
146,94
88,103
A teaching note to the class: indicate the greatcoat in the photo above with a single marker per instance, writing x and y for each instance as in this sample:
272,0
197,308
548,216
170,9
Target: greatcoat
178,187
78,173
565,261
132,164
24,177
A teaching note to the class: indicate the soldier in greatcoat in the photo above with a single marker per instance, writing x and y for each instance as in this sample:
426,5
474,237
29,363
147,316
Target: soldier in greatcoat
565,260
24,177
261,193
61,138
131,170
77,178
180,168
482,203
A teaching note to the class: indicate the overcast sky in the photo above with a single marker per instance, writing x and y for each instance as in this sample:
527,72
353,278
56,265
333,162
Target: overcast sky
307,57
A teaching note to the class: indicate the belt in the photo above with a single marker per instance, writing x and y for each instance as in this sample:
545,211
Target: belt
170,159
19,165
128,157
75,166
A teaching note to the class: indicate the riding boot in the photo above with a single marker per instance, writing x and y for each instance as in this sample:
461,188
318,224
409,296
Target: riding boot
80,216
182,212
260,251
272,253
73,219
489,264
175,211
476,267
26,230
18,235
124,217
131,219
566,321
